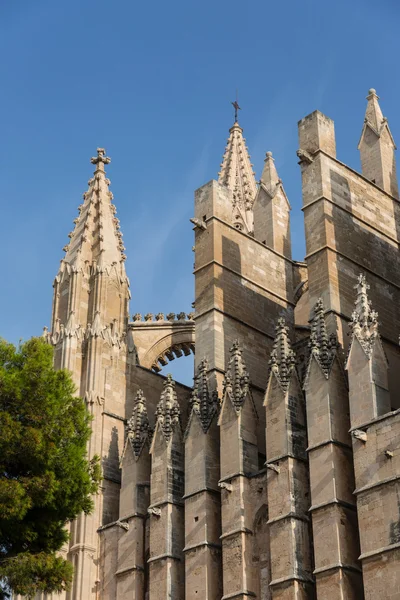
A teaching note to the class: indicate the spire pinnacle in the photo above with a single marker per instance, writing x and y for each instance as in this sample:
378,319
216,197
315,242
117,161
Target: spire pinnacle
282,360
168,412
377,148
364,320
237,379
138,427
237,175
322,346
373,114
204,404
269,177
96,238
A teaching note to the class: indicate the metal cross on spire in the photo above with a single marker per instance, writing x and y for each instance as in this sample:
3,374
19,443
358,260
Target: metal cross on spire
236,107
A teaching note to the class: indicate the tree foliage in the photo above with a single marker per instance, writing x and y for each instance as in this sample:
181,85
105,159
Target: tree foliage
45,477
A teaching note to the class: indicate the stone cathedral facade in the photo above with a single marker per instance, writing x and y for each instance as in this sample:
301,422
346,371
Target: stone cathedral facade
277,477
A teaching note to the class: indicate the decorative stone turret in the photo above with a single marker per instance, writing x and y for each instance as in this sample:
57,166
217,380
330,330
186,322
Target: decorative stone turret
239,460
366,363
272,210
377,148
238,176
134,502
288,502
334,517
166,564
203,566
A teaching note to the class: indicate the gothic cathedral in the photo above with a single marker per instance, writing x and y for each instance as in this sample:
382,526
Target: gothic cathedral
277,477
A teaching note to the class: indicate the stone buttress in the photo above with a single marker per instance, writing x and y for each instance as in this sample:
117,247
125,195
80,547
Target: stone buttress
238,460
287,476
167,529
203,567
132,569
333,508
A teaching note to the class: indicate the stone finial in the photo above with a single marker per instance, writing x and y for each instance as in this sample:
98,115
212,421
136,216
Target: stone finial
322,346
137,317
137,427
282,360
237,379
168,412
171,316
160,316
101,159
148,317
204,404
181,316
364,320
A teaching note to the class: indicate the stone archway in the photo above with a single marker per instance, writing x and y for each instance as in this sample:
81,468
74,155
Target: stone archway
161,340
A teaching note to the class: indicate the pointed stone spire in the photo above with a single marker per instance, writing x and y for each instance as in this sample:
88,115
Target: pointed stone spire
322,346
168,412
271,210
373,114
96,237
364,320
282,360
237,175
138,427
202,402
269,177
377,147
237,379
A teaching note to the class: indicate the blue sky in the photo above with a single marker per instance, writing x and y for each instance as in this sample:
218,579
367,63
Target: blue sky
152,83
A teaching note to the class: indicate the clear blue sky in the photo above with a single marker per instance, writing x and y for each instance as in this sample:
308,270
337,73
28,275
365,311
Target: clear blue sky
152,83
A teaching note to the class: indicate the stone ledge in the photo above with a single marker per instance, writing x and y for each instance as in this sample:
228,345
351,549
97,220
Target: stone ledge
339,565
290,515
375,553
334,501
235,532
164,557
371,486
204,544
129,570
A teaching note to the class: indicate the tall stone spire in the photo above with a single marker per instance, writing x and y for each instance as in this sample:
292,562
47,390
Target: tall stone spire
238,176
96,236
283,359
237,379
168,412
377,147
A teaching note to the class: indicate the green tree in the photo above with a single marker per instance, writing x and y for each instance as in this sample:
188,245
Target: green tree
45,477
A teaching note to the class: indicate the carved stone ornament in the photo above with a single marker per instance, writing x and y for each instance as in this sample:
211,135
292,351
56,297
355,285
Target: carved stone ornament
202,402
322,346
168,412
237,379
138,427
282,360
364,320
